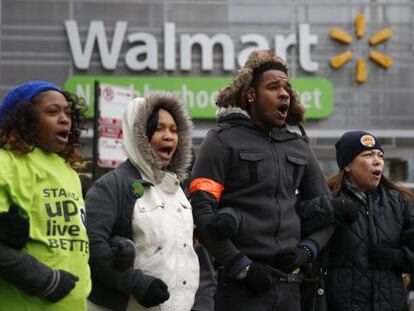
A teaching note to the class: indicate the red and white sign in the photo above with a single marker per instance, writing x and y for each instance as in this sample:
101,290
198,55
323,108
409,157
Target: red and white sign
112,101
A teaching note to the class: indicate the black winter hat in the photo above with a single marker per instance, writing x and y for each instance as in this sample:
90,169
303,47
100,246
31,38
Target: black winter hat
353,143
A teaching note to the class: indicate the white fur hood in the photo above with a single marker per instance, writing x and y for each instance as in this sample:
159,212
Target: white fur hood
136,144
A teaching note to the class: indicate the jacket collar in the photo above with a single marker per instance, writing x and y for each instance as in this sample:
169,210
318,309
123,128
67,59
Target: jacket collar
240,117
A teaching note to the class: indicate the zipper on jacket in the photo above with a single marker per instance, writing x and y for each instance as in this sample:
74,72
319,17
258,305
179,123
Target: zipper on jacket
371,228
276,175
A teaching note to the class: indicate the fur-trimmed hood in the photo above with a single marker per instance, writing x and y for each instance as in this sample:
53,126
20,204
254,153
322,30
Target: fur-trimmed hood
136,144
233,95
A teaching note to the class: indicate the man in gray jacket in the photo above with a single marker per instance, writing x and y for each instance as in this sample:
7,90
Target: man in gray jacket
252,166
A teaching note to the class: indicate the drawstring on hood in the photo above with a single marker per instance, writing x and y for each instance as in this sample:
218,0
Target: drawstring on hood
137,146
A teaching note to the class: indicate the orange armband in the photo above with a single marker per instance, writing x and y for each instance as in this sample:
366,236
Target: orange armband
207,185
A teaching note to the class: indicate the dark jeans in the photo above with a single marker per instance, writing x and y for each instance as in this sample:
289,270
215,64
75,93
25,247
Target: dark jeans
233,296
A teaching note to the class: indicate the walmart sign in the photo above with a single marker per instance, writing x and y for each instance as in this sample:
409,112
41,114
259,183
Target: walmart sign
143,50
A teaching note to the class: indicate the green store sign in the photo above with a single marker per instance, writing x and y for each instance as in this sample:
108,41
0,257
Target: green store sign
199,93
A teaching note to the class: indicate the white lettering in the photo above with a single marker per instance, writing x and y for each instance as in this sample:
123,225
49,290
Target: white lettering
109,57
259,41
202,99
144,55
283,43
305,99
149,49
311,99
169,46
207,45
306,39
317,95
85,93
187,96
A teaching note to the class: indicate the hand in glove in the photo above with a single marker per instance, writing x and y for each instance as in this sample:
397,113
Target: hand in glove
384,257
256,277
14,229
59,286
222,226
155,295
345,210
124,252
292,258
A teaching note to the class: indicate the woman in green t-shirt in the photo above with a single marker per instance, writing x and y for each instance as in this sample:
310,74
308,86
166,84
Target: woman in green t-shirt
43,243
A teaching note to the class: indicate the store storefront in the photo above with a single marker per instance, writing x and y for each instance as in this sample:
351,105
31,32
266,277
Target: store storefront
351,62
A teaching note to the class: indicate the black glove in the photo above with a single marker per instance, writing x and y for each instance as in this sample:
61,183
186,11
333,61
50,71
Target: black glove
384,257
258,278
14,229
292,258
124,253
155,295
345,210
222,226
59,286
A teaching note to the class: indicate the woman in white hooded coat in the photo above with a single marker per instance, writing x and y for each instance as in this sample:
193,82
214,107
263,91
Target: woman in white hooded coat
142,201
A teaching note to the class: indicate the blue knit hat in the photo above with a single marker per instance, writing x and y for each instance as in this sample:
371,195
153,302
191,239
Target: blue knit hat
353,143
24,93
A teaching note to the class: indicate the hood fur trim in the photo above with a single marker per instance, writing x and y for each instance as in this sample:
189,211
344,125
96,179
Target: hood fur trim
225,111
142,156
234,93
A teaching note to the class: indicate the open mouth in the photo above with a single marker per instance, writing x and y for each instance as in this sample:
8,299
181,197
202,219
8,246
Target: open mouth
63,136
283,109
377,173
165,152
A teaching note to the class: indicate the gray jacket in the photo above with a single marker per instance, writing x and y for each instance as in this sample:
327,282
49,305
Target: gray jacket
260,175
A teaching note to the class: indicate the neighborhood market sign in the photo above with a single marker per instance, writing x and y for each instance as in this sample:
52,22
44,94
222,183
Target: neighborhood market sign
199,93
142,48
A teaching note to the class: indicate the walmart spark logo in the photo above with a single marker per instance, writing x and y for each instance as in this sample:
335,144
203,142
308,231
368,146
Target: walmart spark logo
361,72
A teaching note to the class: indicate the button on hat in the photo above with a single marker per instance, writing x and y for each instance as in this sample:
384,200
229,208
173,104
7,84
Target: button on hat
353,143
24,93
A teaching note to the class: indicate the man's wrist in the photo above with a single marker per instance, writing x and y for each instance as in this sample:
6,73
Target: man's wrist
243,273
310,247
237,265
309,255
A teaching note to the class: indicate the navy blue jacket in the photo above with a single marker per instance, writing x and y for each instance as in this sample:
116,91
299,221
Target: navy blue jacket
351,283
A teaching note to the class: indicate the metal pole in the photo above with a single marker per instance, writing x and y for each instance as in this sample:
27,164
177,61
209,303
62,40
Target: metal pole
96,111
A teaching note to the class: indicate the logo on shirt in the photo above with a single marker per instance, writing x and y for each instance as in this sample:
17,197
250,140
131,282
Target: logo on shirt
65,224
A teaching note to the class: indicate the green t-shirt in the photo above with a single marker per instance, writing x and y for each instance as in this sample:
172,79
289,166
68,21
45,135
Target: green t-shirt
49,192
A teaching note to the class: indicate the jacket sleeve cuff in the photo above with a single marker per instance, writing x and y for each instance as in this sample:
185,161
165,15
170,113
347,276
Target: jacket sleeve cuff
309,244
142,284
240,262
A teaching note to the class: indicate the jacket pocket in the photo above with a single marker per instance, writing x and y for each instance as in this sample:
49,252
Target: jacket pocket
295,167
251,166
148,219
184,201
